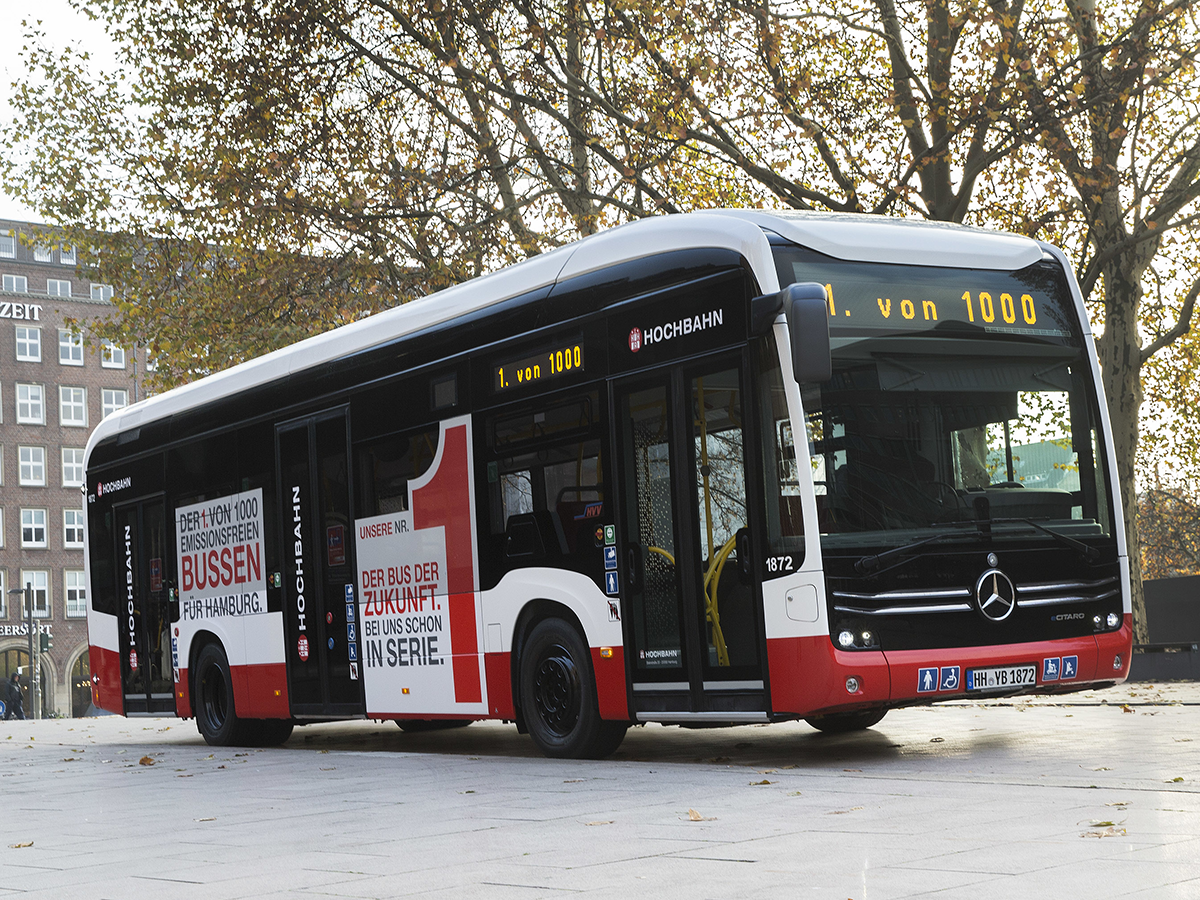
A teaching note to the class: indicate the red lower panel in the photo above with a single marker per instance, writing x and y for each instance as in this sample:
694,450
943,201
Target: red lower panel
610,684
1111,646
808,675
498,669
260,692
183,696
106,679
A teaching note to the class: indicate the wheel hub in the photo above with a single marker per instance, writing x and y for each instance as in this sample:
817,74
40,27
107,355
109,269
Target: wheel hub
557,690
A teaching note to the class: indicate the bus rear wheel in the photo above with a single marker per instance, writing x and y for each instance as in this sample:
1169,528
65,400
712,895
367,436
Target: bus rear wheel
216,717
842,723
558,695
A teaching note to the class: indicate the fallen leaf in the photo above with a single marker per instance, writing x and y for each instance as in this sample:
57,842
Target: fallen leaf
764,781
793,793
1125,707
19,846
604,822
936,740
694,816
1118,803
1102,769
145,761
206,819
851,770
1175,780
766,771
1107,832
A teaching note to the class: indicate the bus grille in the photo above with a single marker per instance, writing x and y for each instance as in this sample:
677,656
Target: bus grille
958,600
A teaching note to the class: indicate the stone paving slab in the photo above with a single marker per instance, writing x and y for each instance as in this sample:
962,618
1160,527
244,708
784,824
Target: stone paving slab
1092,795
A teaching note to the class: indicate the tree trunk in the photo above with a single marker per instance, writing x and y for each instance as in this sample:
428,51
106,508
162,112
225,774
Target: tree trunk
1120,352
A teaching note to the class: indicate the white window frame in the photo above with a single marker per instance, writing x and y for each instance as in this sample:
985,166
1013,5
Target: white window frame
29,410
29,343
66,255
112,356
75,583
8,246
32,517
109,403
75,467
72,399
3,594
72,522
1,528
101,291
41,254
41,592
15,284
70,348
31,466
58,287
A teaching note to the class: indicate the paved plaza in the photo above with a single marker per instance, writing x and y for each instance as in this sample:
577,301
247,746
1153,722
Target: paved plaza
1095,795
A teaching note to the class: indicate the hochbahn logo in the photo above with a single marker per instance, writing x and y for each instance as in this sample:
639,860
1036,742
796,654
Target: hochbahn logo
670,330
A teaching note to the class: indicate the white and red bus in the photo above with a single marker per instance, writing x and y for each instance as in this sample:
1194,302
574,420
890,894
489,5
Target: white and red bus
715,468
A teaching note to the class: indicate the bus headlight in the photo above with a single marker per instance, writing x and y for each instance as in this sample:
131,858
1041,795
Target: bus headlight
846,639
1113,620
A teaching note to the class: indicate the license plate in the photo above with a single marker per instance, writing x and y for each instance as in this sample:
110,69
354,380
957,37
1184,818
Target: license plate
1001,678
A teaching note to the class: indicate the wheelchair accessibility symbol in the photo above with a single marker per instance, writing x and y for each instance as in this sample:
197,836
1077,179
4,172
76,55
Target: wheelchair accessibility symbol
950,678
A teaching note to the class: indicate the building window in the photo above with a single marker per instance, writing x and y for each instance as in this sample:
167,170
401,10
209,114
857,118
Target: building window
72,406
8,246
31,408
102,291
33,528
114,399
58,287
73,528
66,256
41,254
17,284
112,356
72,467
32,466
29,344
1,527
75,592
39,580
3,594
70,348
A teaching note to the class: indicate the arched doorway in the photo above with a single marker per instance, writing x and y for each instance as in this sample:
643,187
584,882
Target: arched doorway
81,686
15,659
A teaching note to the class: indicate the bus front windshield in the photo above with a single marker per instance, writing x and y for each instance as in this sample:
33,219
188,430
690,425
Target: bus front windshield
961,401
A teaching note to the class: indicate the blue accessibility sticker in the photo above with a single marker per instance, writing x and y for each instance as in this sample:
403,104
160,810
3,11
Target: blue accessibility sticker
610,557
927,680
1051,668
1070,667
610,583
352,650
351,632
950,679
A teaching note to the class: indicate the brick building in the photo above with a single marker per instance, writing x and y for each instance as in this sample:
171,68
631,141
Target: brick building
54,387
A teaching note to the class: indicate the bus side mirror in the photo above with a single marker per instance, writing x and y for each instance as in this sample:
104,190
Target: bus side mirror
807,314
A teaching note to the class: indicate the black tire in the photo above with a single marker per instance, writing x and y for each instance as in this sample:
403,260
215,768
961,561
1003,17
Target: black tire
416,726
558,695
212,695
841,723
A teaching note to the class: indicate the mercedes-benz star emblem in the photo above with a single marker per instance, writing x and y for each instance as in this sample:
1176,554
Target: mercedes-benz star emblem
995,596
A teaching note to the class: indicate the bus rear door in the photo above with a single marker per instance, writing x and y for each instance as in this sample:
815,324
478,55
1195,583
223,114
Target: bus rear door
320,605
144,602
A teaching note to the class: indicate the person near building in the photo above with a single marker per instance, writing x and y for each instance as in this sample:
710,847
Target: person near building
14,700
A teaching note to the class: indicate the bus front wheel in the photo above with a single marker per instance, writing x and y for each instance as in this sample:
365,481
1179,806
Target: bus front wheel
558,695
841,723
213,694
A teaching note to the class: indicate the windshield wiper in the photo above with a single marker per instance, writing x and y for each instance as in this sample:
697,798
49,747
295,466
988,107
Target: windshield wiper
871,562
1090,553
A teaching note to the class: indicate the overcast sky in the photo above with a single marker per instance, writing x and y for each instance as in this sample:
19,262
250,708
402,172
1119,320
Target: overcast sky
62,25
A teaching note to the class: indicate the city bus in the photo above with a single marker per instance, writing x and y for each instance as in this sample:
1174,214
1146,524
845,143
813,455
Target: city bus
707,469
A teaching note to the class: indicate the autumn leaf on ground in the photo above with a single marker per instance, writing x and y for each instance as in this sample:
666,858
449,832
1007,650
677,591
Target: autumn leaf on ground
1107,832
764,781
694,816
19,846
603,822
145,761
1126,708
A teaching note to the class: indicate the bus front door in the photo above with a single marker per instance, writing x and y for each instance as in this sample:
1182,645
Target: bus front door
146,666
320,605
693,617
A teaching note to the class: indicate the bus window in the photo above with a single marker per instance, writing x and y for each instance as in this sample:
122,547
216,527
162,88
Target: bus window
387,464
781,476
